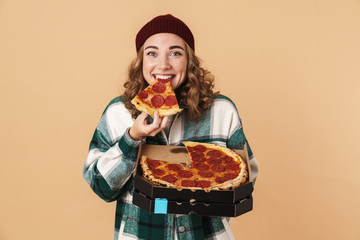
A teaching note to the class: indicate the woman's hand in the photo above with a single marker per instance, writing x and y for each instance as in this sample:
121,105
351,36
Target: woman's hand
142,129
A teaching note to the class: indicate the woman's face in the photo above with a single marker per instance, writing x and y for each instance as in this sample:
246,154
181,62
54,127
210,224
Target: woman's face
165,57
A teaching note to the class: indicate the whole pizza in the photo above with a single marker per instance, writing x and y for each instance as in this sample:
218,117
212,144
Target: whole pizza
159,96
213,167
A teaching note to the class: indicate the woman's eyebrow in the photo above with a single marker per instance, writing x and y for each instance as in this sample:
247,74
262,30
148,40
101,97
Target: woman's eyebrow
173,47
151,47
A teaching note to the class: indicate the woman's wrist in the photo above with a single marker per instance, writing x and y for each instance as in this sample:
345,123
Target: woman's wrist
133,135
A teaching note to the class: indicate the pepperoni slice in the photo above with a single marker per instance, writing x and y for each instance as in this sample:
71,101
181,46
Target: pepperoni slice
163,80
158,171
232,166
169,178
188,183
206,174
200,148
227,159
174,167
157,101
198,157
143,94
170,101
190,149
185,174
214,161
231,175
197,154
214,153
221,179
202,166
153,163
218,168
159,87
203,183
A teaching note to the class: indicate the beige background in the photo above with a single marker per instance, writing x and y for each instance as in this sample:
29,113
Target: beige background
291,67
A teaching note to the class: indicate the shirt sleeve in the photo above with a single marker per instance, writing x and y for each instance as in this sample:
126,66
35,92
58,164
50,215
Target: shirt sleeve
237,138
112,154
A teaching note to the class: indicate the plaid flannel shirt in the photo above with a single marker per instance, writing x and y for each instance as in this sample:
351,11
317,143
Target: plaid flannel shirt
112,158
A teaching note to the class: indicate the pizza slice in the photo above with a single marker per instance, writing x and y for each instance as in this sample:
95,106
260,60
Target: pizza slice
159,96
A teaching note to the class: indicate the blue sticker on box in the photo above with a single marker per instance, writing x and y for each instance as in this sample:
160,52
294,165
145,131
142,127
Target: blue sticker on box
161,205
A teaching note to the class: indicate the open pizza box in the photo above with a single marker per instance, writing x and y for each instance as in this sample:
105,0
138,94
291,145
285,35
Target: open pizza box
213,203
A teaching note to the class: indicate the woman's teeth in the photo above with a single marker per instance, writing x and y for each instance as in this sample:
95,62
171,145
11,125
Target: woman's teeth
163,77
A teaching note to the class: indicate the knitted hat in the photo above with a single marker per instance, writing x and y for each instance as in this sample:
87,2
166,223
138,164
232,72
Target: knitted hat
165,24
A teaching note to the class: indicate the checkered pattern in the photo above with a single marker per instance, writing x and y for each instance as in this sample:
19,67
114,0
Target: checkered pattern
112,158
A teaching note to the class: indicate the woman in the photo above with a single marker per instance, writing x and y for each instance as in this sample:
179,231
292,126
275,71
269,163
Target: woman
165,48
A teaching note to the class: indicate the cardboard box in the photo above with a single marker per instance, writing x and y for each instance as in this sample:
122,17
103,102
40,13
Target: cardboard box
158,199
164,206
178,154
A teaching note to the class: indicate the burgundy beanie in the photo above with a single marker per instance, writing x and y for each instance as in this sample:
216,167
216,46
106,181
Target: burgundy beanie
165,24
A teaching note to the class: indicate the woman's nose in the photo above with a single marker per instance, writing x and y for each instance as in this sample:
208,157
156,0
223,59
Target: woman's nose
164,63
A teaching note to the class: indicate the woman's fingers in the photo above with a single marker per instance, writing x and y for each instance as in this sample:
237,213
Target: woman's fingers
142,117
156,120
141,128
158,124
164,122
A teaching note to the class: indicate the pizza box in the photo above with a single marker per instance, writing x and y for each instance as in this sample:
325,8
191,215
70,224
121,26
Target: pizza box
178,154
165,206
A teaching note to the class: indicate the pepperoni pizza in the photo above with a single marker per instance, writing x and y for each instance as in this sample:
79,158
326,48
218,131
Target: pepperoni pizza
159,96
213,167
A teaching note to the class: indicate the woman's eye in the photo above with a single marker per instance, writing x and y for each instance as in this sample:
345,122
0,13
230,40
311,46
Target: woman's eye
176,54
151,54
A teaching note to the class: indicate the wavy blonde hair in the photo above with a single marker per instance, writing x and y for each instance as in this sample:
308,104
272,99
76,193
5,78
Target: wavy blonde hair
195,94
